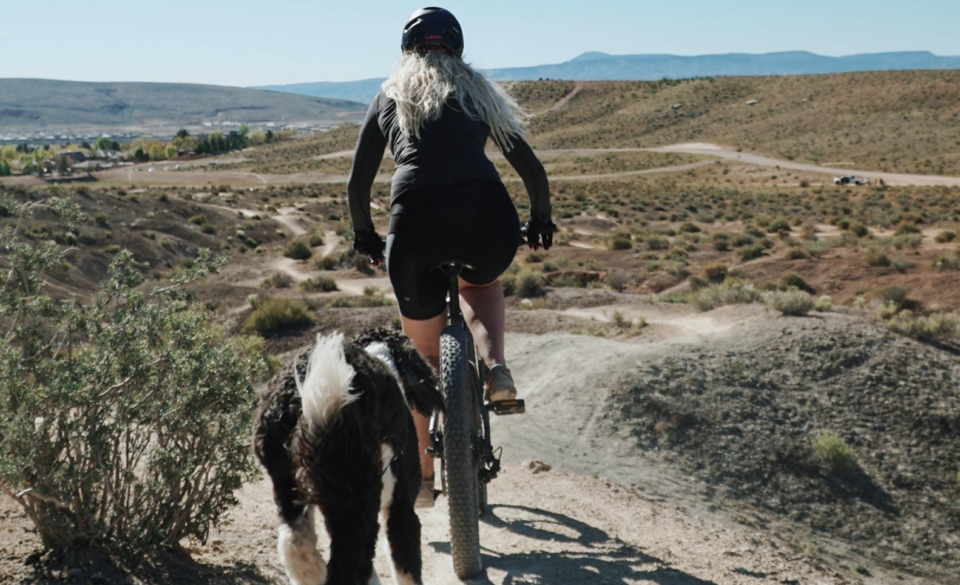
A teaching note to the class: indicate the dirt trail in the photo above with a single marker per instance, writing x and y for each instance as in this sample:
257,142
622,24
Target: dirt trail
755,159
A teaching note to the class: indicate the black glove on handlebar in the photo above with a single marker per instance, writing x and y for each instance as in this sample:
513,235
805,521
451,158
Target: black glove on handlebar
538,231
370,243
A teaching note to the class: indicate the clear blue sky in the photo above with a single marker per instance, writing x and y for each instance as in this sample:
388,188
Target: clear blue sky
246,42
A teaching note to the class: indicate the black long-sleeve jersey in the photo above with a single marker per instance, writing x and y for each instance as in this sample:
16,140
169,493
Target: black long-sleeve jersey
448,149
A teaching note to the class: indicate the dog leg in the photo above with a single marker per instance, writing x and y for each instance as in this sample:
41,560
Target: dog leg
297,545
403,524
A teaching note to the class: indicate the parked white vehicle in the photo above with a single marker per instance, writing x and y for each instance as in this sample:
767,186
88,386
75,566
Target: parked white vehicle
849,180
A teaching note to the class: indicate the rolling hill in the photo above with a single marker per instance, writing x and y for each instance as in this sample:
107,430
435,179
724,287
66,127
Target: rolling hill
31,104
596,66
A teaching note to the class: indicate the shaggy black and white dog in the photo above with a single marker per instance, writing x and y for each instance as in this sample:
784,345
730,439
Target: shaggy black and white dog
343,440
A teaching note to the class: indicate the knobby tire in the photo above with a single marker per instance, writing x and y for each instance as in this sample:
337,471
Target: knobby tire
458,453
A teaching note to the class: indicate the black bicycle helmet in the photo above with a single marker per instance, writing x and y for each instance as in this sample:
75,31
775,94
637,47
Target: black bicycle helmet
432,25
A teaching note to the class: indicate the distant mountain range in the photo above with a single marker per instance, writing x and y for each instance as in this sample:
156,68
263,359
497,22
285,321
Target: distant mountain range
29,105
596,66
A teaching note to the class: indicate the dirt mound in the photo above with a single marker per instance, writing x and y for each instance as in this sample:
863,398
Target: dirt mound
743,414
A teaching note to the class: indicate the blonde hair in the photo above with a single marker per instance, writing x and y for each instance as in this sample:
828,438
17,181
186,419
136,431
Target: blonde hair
425,82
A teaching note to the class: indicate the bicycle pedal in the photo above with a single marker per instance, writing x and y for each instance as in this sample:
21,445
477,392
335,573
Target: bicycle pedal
507,407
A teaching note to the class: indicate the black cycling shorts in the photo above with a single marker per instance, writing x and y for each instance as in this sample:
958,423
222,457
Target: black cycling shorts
475,220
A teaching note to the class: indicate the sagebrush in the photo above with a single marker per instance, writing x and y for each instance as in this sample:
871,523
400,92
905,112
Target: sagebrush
125,418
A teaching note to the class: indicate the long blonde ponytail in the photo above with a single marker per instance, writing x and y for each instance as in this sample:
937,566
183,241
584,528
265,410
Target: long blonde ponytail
423,83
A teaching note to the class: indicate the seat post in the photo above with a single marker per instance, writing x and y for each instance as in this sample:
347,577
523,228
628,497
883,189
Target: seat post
455,316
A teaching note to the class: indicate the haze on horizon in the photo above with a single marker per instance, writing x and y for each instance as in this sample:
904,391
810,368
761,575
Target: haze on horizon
245,43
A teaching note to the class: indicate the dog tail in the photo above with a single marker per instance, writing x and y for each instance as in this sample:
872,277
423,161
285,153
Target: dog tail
327,382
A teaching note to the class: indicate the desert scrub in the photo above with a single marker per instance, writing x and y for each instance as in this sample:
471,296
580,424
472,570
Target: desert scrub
935,327
327,263
509,284
732,291
275,317
749,252
948,261
530,284
834,452
617,280
126,420
945,237
318,284
823,304
316,240
715,273
620,242
278,280
791,303
297,250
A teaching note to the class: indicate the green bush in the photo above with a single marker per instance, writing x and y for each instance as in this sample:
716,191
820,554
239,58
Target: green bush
318,284
298,250
198,220
277,316
789,302
531,284
316,240
126,420
835,453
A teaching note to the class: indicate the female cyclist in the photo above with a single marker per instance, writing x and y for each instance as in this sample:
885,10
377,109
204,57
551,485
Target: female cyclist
447,199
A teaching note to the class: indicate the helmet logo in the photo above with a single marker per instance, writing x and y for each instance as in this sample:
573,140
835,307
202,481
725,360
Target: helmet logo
432,38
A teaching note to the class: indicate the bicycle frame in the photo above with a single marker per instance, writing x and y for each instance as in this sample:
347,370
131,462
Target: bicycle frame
490,461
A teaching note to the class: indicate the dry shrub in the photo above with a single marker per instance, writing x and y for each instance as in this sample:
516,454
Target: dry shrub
298,250
617,280
792,303
715,273
318,284
277,316
948,261
531,284
876,257
732,291
945,237
935,327
794,280
823,304
835,453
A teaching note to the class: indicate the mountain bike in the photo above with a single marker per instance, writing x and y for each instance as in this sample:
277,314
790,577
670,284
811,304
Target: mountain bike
460,436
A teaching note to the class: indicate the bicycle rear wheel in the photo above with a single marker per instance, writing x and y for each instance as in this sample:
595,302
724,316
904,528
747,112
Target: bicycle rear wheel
460,473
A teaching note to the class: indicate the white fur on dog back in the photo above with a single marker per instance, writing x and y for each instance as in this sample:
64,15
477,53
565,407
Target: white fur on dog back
326,385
